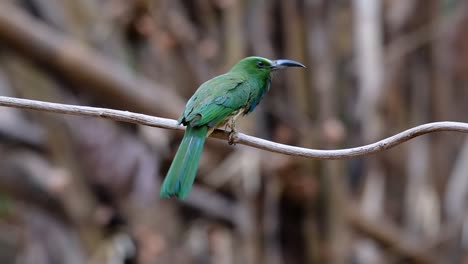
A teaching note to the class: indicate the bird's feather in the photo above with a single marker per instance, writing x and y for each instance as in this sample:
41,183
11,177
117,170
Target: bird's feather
181,174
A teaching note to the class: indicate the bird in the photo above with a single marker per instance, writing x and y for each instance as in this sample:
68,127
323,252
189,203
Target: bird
217,103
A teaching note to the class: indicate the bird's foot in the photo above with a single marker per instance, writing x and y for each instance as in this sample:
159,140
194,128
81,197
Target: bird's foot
232,137
230,124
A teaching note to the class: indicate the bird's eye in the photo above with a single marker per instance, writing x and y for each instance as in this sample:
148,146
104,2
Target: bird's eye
260,64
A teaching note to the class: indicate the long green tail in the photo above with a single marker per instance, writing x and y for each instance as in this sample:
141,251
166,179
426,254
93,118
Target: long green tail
181,174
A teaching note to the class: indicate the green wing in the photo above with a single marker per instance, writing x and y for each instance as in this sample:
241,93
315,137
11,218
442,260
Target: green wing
216,100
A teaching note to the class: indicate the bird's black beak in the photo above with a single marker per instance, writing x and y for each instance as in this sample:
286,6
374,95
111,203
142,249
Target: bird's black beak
282,63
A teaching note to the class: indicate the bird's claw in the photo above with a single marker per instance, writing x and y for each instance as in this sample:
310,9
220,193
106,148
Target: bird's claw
232,137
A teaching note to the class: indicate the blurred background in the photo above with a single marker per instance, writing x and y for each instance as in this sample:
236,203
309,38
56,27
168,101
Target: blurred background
83,190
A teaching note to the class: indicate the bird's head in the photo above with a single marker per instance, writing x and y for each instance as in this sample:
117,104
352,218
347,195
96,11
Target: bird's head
263,66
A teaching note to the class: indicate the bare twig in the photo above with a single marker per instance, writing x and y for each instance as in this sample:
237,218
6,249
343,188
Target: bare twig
239,138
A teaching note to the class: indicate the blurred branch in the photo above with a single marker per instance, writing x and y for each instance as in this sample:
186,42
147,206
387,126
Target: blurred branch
113,83
238,138
406,44
213,204
22,177
389,236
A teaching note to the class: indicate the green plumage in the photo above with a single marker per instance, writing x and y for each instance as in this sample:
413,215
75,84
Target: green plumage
216,101
184,167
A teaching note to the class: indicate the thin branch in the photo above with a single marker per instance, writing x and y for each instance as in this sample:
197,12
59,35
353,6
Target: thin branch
238,138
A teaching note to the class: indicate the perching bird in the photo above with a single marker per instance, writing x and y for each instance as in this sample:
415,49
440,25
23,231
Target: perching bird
216,103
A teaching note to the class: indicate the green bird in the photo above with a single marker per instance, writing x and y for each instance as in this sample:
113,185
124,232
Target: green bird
217,102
